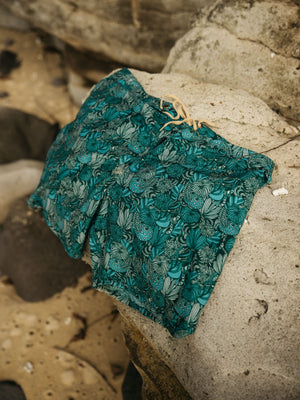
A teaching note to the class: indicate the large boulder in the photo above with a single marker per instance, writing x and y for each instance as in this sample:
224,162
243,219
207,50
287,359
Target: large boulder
251,45
137,32
246,342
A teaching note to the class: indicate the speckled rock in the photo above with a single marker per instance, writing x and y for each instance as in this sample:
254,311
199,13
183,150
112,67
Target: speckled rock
66,347
246,342
250,45
133,32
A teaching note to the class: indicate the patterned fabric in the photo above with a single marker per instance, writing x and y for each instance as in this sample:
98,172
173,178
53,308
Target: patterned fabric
160,210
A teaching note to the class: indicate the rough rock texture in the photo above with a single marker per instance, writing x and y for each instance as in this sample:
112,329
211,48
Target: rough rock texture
246,343
10,21
159,381
33,257
67,347
134,32
251,45
17,179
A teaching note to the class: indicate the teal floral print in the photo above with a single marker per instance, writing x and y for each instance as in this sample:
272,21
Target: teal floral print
158,208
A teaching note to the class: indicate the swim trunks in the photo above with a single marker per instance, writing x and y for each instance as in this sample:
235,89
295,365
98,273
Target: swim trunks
158,204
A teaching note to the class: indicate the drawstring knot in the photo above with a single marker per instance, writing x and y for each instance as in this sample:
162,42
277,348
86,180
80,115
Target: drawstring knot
182,112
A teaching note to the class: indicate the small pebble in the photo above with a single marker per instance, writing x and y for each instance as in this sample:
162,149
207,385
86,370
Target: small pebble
280,191
28,367
68,320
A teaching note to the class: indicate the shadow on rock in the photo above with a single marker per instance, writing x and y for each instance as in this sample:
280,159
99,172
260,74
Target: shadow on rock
24,135
33,257
9,390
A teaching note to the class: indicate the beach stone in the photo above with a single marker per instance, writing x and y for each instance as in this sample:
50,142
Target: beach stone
132,32
17,179
24,135
250,45
33,257
246,343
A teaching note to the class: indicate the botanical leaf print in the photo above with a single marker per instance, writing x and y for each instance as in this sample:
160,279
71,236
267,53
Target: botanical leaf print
159,208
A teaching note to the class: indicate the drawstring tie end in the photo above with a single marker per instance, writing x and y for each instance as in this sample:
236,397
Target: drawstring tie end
182,112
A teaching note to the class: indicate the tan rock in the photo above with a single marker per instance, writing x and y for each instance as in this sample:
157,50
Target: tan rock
137,32
246,45
48,358
17,179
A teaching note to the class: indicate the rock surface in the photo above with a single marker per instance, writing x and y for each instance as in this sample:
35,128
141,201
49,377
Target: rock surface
10,21
66,347
24,135
246,342
17,179
250,45
134,32
33,257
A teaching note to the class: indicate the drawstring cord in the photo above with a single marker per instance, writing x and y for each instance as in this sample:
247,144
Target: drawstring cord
182,112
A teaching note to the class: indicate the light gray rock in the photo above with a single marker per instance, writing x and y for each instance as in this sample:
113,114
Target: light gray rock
246,345
17,179
251,45
133,32
78,87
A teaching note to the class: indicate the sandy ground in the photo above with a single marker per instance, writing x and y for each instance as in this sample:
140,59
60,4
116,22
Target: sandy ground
69,346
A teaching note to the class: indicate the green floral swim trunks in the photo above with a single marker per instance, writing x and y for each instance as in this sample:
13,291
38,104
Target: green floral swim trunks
158,204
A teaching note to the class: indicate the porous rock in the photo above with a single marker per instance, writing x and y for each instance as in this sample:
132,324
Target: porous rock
251,45
137,32
64,347
246,342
